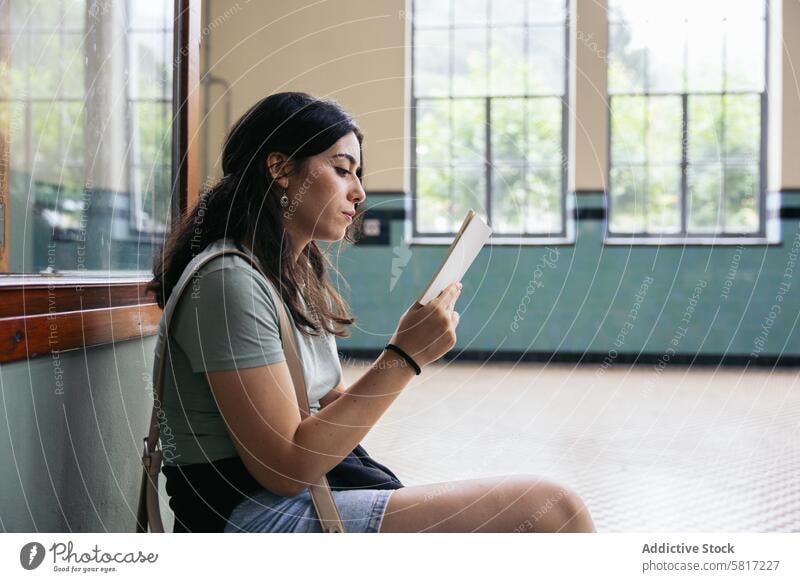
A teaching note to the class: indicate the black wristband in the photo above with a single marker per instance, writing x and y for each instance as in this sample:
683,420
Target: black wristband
407,358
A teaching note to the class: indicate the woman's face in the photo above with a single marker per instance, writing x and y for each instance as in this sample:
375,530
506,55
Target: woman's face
323,193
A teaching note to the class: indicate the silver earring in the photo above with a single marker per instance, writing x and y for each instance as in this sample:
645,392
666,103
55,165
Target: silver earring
284,200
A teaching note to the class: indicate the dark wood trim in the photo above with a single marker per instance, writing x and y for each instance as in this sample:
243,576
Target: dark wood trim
186,107
49,297
35,335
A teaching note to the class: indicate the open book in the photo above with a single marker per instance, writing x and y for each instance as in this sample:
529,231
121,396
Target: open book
471,237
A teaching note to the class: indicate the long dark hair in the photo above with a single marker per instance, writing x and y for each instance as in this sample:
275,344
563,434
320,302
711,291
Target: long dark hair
243,206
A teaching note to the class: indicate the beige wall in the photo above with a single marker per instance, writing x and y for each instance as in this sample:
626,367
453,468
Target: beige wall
353,52
588,96
787,91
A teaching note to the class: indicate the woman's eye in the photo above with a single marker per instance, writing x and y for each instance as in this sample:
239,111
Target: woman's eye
342,171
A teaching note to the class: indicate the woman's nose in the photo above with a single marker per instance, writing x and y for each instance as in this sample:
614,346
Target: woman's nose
357,194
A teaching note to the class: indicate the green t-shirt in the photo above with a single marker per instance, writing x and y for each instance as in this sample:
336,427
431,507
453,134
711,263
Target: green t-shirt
225,320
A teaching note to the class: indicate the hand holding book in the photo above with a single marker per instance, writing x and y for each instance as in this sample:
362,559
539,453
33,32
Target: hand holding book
427,329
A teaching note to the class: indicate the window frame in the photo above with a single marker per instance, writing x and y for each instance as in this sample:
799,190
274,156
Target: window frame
759,237
80,309
134,102
566,235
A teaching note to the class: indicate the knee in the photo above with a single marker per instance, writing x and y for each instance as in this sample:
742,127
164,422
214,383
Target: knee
574,512
556,508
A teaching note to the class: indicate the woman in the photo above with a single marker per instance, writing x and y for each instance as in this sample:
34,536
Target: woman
238,454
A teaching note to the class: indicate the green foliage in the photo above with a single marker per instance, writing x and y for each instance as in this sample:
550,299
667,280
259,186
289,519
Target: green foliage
453,156
724,133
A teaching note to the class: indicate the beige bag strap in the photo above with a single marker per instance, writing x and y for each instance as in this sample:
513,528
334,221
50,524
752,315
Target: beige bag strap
148,511
328,513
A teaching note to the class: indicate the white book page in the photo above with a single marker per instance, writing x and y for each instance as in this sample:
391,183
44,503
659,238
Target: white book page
473,235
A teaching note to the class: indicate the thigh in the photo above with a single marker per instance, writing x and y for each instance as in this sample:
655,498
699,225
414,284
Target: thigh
361,511
517,503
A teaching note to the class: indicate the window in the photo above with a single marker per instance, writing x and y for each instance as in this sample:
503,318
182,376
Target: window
687,97
86,103
86,163
488,116
150,107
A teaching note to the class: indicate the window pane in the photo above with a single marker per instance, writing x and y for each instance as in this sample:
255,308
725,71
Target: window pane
508,129
433,198
151,69
42,65
705,128
543,116
431,12
152,129
628,123
526,202
72,124
74,14
42,15
470,12
150,185
706,10
628,199
469,130
469,61
507,11
431,62
433,131
72,81
544,194
744,10
626,60
703,48
741,198
446,194
665,48
72,185
744,55
509,198
664,122
704,55
651,10
469,191
507,71
663,199
547,61
12,81
148,15
47,155
494,67
624,10
546,10
743,128
704,212
89,166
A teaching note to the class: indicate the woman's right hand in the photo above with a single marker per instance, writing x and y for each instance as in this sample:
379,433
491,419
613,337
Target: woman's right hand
427,332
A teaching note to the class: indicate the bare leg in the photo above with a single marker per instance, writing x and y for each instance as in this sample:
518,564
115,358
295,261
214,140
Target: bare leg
516,503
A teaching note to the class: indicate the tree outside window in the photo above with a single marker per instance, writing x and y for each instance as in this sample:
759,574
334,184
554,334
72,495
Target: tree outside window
687,97
489,89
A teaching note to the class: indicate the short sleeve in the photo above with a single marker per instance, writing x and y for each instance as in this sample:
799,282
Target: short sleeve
226,319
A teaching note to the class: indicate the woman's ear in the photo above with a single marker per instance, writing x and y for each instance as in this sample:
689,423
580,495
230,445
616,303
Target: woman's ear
278,166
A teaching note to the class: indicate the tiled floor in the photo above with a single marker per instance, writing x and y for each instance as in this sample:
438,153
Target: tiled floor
688,450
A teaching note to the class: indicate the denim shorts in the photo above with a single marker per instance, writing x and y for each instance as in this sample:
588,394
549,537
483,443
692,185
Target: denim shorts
361,511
